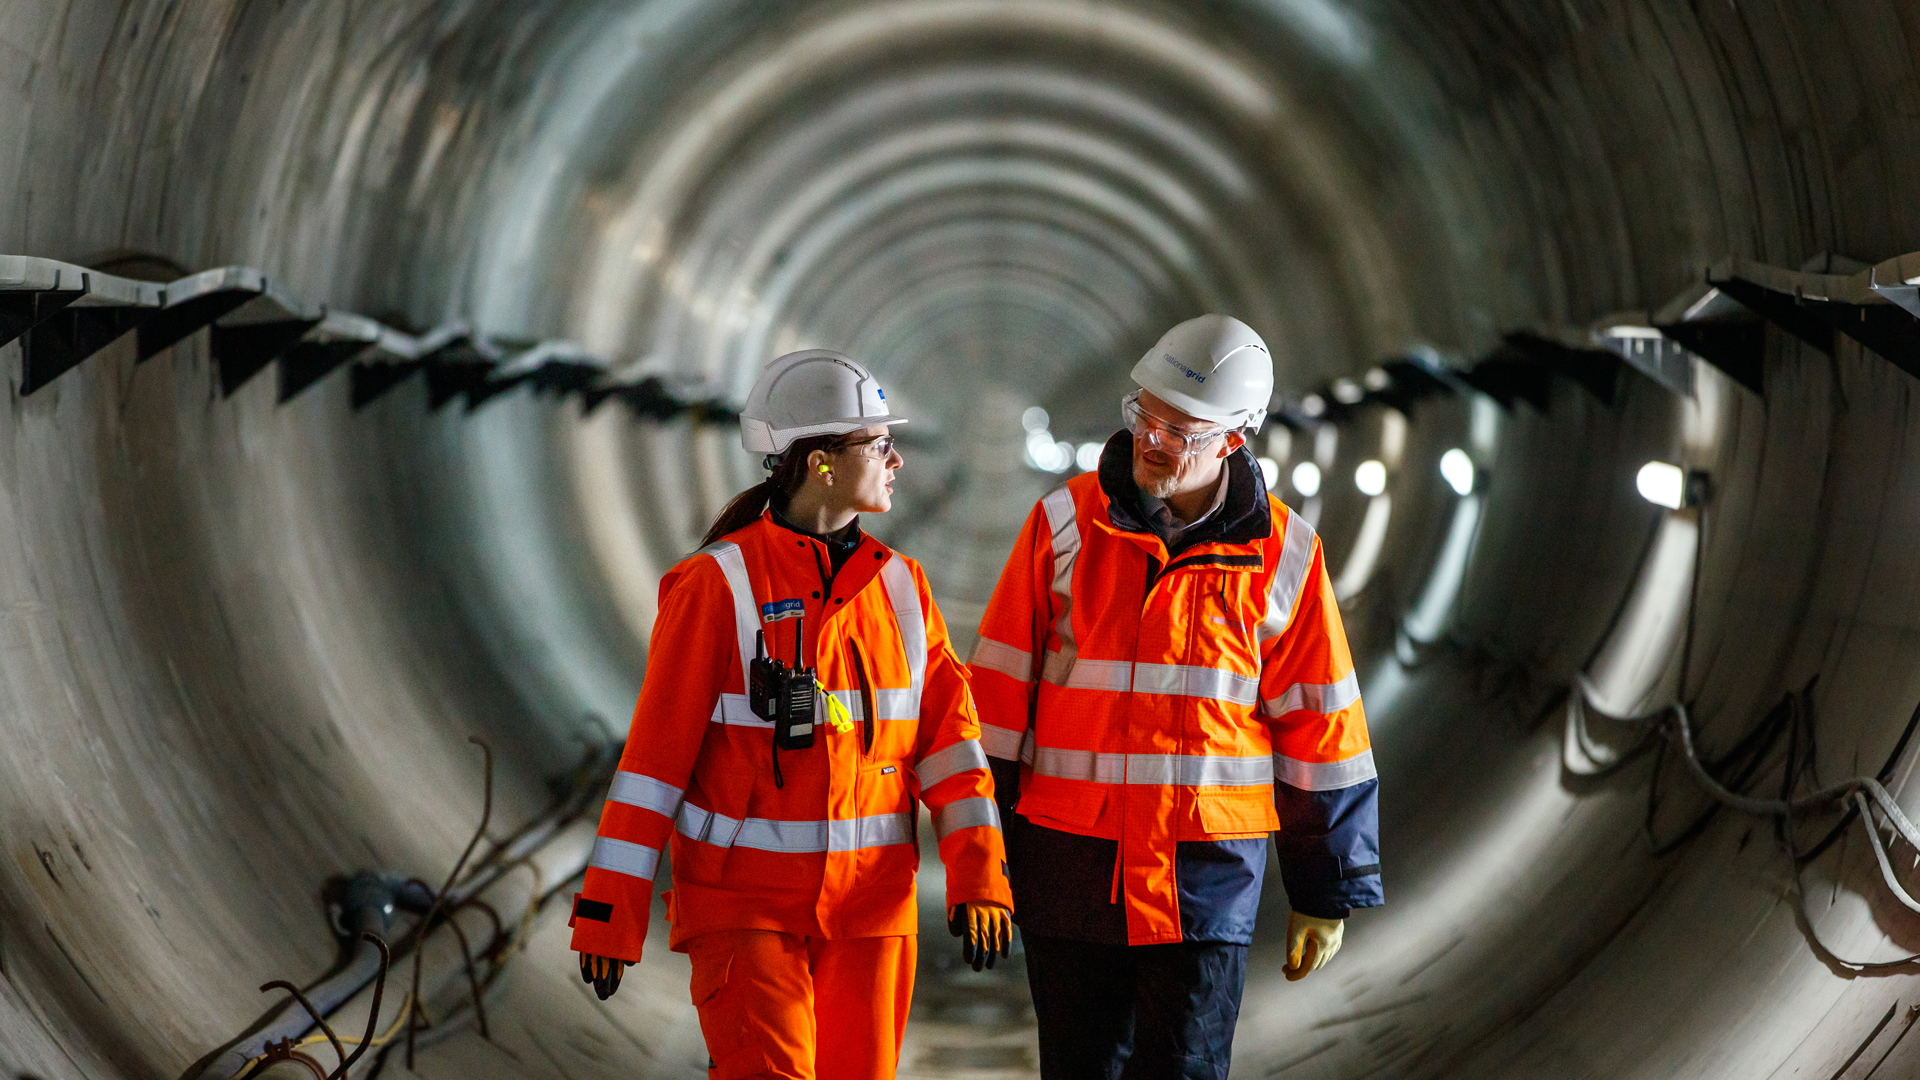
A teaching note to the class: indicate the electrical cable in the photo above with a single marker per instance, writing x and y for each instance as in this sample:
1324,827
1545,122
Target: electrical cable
1859,794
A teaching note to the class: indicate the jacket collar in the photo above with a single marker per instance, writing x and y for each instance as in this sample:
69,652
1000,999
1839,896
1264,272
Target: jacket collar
1246,517
813,560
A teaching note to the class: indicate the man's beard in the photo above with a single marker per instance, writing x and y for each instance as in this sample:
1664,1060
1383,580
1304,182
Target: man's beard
1156,483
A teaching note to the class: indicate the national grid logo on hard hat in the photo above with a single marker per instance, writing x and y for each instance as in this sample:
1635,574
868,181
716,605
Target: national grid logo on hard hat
1183,369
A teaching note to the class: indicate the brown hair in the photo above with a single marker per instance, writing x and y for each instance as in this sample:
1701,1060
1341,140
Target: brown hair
774,491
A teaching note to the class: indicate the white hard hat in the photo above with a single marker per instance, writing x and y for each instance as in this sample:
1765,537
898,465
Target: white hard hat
812,392
1214,368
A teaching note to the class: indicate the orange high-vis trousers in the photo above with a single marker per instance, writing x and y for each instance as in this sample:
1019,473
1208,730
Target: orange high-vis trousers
787,1007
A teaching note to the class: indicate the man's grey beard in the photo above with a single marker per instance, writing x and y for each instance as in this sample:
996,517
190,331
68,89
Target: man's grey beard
1160,486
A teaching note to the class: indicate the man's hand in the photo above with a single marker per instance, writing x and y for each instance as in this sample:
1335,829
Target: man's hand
984,929
1311,943
603,972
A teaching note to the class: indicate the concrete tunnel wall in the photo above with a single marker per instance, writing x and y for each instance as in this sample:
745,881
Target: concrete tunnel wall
244,643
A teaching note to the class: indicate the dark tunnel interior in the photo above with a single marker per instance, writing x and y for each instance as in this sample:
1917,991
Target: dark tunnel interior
1596,342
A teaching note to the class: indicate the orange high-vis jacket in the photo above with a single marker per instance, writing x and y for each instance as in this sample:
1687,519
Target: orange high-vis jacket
1152,700
833,852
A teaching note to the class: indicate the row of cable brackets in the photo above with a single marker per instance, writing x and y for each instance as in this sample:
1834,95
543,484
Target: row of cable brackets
63,314
1720,320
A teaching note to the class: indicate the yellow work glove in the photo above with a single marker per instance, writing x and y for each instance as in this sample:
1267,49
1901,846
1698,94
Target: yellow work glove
1311,943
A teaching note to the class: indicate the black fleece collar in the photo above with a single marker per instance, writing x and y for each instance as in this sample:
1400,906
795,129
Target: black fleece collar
1244,518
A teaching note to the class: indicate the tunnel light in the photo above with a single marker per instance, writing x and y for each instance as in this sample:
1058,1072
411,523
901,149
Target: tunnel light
1347,392
1457,468
1662,484
1088,456
1377,379
1313,405
1035,419
1306,479
1269,472
1370,478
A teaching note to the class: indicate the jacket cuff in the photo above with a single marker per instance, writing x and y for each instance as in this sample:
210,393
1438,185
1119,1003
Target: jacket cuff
609,920
1325,887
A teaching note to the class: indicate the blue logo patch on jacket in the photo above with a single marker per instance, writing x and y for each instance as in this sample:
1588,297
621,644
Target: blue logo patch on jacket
782,609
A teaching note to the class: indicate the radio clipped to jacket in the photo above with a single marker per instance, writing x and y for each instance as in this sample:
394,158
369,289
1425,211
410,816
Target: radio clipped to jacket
783,695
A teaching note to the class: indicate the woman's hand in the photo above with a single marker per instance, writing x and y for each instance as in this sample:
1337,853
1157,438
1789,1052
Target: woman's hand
603,972
984,929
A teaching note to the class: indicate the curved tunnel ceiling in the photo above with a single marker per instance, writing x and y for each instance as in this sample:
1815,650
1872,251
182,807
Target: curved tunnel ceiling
244,642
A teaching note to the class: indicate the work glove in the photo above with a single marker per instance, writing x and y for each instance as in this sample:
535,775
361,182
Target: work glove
984,929
603,972
1311,942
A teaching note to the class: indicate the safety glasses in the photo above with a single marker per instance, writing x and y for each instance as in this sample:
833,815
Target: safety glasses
879,447
1152,433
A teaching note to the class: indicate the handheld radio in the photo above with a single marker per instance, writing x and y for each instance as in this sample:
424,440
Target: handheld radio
782,694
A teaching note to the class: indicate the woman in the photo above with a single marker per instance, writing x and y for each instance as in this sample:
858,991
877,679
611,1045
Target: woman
800,696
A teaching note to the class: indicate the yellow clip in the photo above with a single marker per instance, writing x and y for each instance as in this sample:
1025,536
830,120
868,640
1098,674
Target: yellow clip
837,713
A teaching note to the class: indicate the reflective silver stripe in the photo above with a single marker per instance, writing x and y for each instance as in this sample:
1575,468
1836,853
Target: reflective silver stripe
1100,675
1190,681
1079,765
1058,506
880,830
999,742
965,814
794,837
1289,578
1187,770
946,764
1324,775
636,860
1058,667
1199,770
888,704
636,789
1316,697
746,615
1015,664
905,598
696,823
733,709
1183,679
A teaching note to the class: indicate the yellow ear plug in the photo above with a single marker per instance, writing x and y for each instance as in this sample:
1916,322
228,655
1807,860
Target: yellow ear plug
824,468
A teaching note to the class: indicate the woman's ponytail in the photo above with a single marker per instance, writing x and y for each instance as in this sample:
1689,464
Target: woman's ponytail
744,510
774,491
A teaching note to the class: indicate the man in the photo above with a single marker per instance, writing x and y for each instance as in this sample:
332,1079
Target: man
1163,680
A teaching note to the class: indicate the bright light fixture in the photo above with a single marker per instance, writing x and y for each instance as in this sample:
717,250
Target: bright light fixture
1457,468
1370,478
1306,479
1377,379
1347,392
1035,419
1269,472
1088,456
1313,405
1662,484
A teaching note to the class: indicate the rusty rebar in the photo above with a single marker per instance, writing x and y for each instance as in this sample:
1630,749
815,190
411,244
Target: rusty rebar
282,984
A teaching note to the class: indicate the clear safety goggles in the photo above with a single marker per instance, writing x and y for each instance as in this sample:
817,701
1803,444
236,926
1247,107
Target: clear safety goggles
1153,433
880,447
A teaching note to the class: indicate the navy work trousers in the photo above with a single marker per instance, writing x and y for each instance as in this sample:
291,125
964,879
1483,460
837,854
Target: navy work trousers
1135,1012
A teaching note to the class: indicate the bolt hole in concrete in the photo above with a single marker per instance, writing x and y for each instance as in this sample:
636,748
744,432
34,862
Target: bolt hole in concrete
251,612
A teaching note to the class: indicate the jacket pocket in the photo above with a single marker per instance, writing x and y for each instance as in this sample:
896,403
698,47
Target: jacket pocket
1226,813
1073,804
